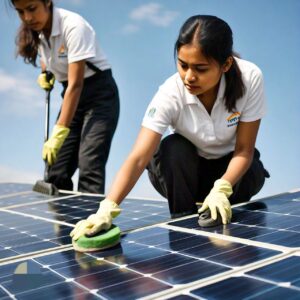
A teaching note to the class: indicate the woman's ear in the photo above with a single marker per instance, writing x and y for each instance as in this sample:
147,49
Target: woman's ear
227,65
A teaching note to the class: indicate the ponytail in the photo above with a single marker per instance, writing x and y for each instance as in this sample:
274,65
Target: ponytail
235,87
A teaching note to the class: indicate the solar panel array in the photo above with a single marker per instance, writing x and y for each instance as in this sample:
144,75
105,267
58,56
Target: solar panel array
257,256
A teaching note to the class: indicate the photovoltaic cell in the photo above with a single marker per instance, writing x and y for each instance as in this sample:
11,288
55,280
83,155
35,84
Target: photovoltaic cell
135,213
20,235
260,221
244,288
12,188
159,260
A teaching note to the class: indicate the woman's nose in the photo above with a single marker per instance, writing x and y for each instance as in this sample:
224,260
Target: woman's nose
189,76
27,17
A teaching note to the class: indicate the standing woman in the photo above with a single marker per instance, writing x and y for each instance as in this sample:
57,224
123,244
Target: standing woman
82,135
213,105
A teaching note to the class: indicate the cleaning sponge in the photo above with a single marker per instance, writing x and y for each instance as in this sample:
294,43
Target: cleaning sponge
103,240
205,219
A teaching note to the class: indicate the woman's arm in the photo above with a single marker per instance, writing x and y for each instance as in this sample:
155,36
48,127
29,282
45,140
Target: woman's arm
142,152
243,153
72,94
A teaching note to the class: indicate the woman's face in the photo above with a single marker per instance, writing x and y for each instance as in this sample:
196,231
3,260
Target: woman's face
199,75
34,13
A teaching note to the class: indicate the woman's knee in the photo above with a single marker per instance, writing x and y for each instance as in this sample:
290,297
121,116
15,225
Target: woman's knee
175,148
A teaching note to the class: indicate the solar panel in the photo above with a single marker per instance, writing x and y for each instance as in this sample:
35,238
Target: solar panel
274,220
253,258
136,212
22,234
12,188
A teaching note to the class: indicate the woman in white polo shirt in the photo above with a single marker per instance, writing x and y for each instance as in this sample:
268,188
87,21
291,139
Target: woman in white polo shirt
85,126
213,104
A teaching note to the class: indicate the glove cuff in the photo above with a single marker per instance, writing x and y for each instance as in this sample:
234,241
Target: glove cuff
60,131
223,186
109,206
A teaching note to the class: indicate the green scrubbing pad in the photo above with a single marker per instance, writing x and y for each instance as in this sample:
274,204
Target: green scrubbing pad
103,240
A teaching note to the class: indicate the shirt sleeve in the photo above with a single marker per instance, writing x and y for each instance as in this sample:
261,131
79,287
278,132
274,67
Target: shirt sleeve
80,40
160,112
255,108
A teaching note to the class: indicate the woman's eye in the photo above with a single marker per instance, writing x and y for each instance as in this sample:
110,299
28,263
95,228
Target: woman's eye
32,8
201,70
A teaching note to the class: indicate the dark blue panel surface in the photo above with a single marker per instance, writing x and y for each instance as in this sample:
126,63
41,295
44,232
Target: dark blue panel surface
38,283
111,280
190,272
244,288
164,262
286,270
263,221
21,234
23,199
135,213
12,188
133,289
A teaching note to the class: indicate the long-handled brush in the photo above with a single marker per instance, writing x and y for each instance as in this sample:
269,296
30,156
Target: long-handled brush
42,186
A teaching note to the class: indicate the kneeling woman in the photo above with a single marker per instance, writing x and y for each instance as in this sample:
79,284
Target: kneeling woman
213,104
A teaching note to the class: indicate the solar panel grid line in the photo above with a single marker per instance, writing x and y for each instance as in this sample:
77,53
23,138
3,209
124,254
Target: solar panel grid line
278,279
167,259
38,218
14,195
21,258
11,296
213,279
123,267
227,238
34,203
51,285
238,272
74,282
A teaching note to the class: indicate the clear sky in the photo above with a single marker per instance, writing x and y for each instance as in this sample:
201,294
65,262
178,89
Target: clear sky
138,37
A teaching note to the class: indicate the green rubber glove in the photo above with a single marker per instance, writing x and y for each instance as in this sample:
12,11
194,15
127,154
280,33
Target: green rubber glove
46,80
217,201
101,220
54,143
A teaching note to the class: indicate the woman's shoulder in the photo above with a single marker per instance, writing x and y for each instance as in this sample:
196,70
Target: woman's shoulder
248,68
69,18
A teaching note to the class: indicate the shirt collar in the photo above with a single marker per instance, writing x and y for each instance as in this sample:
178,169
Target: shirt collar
55,31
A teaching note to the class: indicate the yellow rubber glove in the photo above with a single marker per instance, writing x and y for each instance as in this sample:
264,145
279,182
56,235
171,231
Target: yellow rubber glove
54,143
101,220
46,80
217,201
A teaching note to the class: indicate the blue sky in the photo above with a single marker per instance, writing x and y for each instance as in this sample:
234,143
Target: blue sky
138,37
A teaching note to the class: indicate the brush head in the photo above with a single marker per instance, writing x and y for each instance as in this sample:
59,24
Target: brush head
205,219
101,241
45,188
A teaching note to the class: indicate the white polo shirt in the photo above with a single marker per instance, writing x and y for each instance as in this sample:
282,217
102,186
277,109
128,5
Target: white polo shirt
214,135
72,39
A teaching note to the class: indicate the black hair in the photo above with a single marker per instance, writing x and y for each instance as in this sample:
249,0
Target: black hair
27,40
214,36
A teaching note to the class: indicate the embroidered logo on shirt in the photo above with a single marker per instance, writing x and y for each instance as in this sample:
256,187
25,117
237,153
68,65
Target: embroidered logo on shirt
233,119
62,51
151,112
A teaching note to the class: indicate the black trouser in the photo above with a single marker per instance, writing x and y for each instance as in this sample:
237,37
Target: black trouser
91,132
178,173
